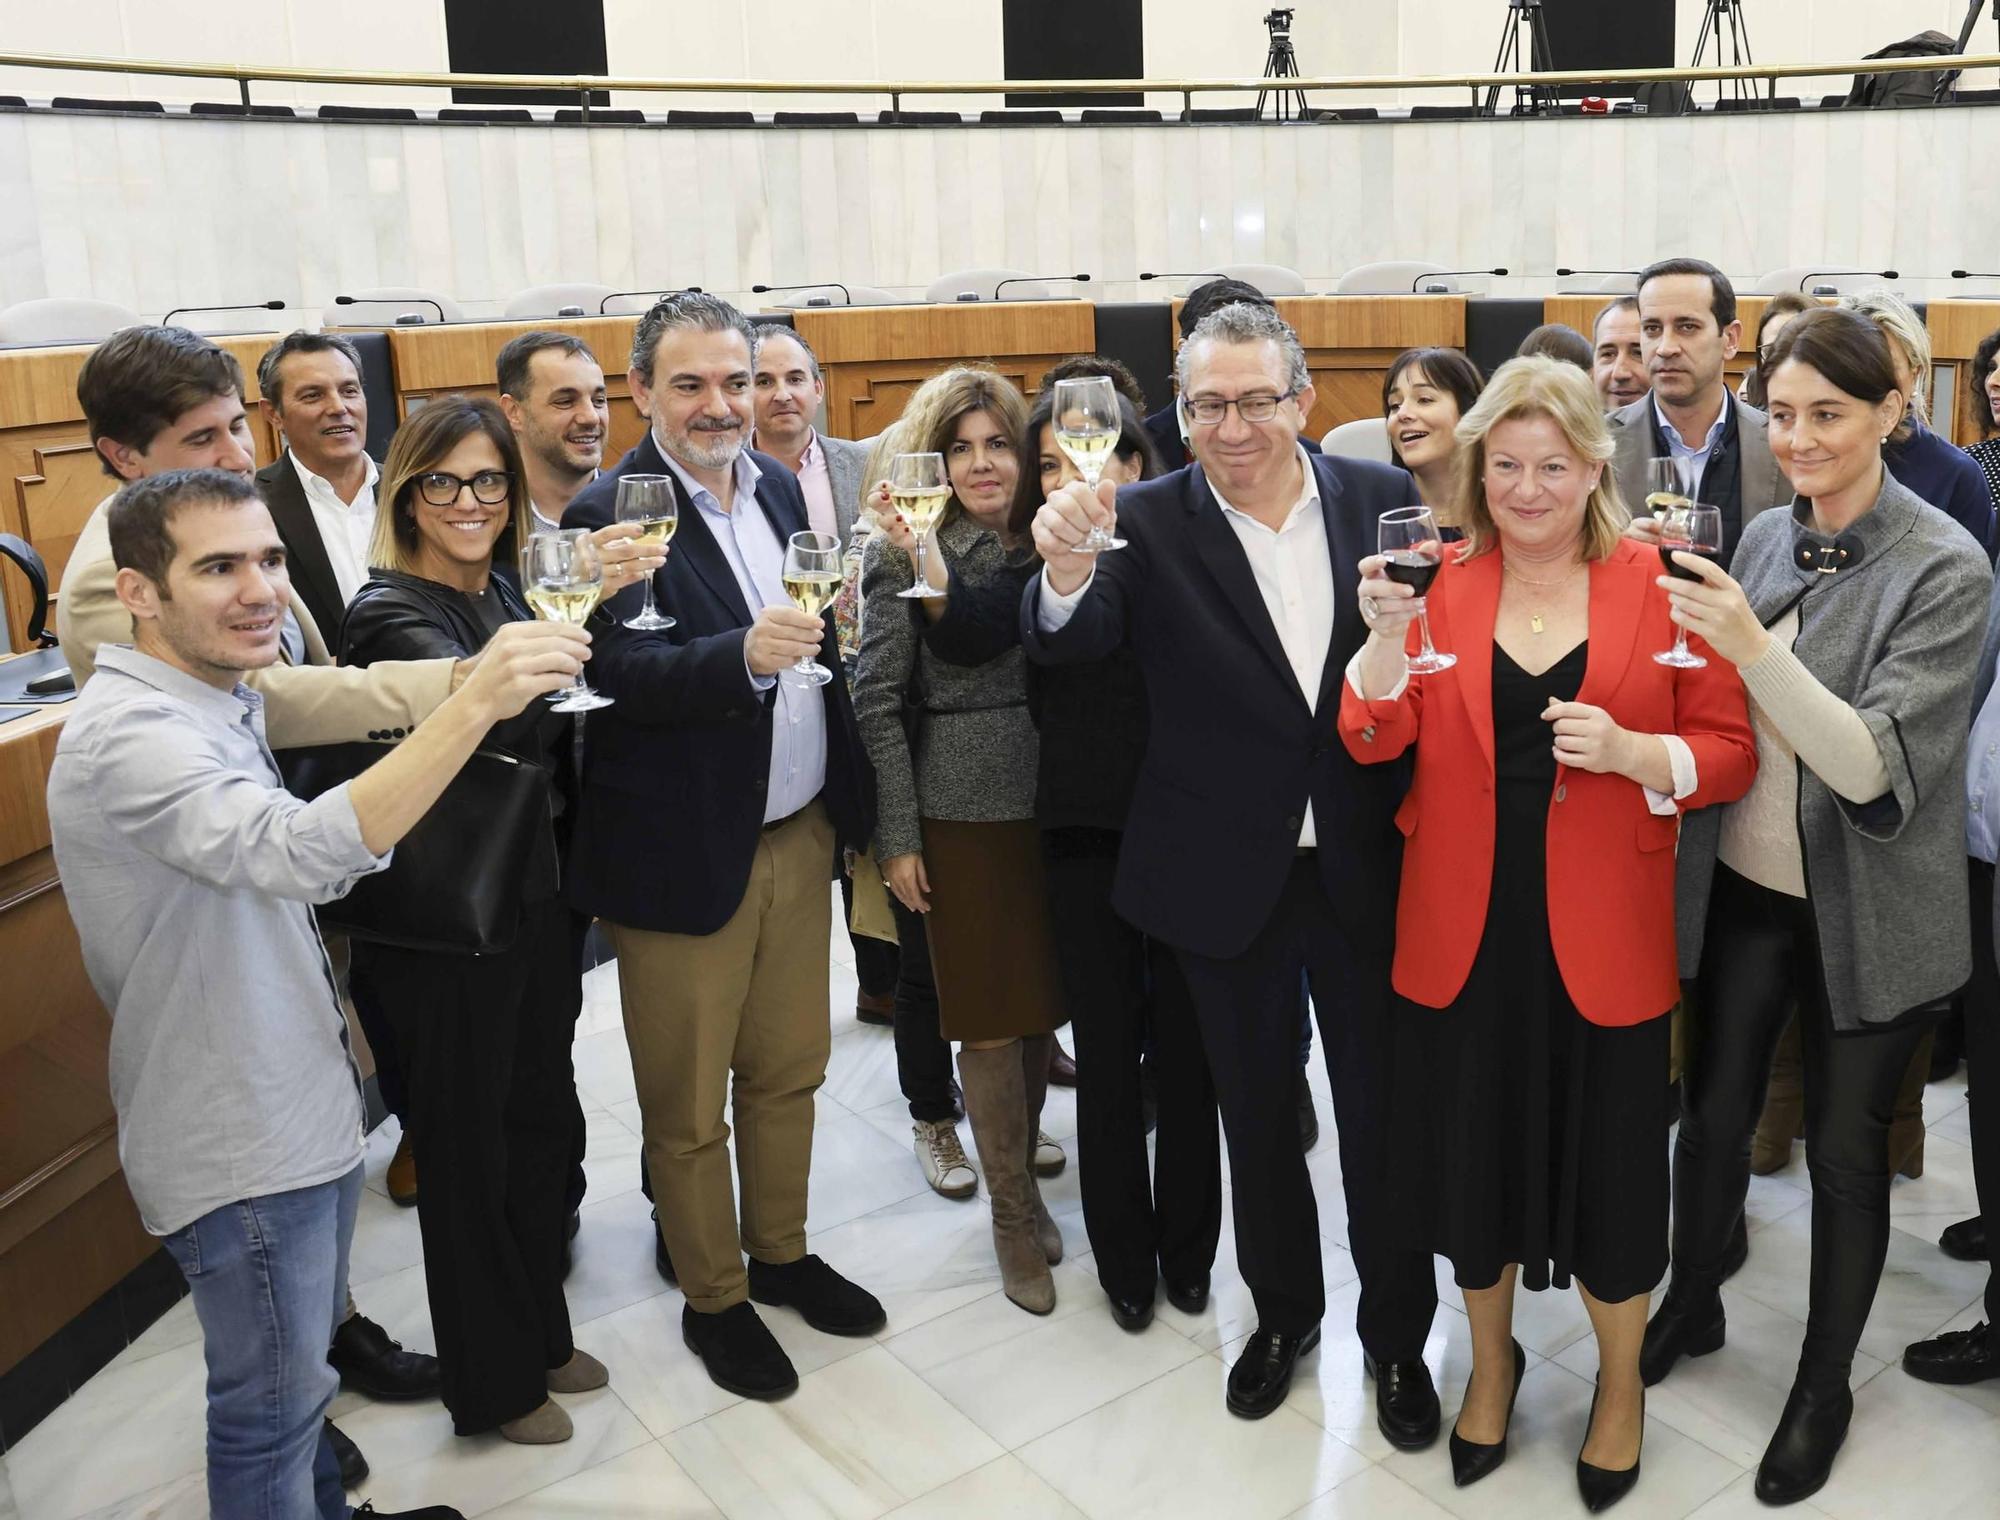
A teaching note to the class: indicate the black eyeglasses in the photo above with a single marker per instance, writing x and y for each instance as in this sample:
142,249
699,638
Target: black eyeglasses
1209,410
440,488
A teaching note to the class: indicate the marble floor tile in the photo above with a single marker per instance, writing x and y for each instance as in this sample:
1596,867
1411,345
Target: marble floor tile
1005,1486
124,1434
8,1509
626,1112
377,1151
186,1498
1539,1475
613,1258
177,1327
861,1068
1170,1449
1231,1313
610,1155
643,1484
857,1440
652,1371
989,1321
1914,1450
386,1239
923,1256
1739,1501
604,1066
1946,1186
1371,1494
856,1169
602,1010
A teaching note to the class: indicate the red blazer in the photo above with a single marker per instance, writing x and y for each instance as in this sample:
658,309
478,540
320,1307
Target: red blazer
1610,858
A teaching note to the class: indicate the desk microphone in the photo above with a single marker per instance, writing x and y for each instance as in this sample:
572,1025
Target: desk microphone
1564,274
168,319
1023,279
764,290
683,290
404,318
1975,274
1820,274
1441,274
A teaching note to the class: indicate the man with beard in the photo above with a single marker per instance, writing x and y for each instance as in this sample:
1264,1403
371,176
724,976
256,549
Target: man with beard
552,390
1687,331
715,790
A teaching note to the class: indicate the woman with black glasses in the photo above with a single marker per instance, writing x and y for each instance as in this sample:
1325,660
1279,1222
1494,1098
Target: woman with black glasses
485,1039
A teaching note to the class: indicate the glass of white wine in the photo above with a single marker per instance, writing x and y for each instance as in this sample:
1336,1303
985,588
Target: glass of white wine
1087,424
1664,491
562,577
919,489
649,501
812,581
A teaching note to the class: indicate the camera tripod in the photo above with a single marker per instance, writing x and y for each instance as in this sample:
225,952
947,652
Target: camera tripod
1949,83
1718,15
1281,62
1529,99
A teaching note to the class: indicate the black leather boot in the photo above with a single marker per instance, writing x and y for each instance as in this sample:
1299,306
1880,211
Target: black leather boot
1689,1322
1808,1438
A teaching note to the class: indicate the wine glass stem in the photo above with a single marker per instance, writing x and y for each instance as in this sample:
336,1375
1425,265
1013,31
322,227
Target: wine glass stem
923,571
1680,641
647,604
1424,627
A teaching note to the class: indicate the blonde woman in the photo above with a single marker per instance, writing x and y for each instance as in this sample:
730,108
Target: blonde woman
1551,769
955,754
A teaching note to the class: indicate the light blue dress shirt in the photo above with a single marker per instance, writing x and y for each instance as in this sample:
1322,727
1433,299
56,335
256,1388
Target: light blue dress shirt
756,556
1692,463
1982,782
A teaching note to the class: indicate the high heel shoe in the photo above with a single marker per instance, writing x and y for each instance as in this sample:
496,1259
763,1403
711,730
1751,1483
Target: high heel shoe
1473,1460
1600,1487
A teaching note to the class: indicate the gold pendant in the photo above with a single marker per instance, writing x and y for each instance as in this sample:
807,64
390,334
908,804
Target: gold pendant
1534,622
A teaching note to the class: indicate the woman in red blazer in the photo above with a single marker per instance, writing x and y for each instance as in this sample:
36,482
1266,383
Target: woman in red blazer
1535,933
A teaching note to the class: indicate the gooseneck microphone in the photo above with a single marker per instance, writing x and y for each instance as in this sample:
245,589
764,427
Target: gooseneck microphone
1566,273
1821,274
678,290
168,319
1445,274
402,318
1975,274
1024,279
846,295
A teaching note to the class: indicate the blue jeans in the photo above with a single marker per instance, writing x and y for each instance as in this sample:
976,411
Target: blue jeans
269,1277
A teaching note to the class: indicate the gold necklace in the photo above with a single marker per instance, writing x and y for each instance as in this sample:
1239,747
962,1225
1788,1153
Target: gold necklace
1535,623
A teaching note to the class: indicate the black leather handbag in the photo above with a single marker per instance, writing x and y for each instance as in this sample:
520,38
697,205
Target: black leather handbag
454,884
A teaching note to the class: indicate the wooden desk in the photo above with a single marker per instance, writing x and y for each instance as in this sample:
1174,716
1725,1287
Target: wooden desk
68,1228
874,357
434,361
50,476
1957,328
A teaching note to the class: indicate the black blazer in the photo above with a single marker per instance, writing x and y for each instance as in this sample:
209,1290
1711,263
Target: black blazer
305,551
1234,750
675,771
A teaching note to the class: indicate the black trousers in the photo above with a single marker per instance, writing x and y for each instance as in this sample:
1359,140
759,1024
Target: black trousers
1982,1051
1247,1007
1116,987
493,1119
1761,954
874,959
923,1056
381,1032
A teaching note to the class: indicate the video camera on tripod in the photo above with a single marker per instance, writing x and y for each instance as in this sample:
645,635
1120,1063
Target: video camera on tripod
1278,20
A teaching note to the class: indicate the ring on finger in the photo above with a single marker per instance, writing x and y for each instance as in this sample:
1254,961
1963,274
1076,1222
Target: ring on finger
1368,609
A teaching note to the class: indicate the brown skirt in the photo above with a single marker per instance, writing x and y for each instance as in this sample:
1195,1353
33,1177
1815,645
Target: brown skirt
989,930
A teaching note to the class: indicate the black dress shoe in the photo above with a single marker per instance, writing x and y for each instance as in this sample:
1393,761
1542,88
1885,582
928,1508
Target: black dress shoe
1190,1297
1132,1311
1308,1117
369,1362
1957,1356
353,1466
1808,1438
428,1512
1473,1460
1601,1487
1966,1240
739,1352
1739,1249
1406,1402
827,1301
1262,1375
1686,1324
662,1262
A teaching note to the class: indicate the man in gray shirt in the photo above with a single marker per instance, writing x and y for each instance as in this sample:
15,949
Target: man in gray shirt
190,873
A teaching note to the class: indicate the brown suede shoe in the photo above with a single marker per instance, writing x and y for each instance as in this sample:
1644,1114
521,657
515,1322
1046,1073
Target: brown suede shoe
581,1373
402,1178
546,1426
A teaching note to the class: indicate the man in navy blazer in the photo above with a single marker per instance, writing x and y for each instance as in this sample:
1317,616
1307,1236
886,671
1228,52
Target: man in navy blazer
716,788
1255,847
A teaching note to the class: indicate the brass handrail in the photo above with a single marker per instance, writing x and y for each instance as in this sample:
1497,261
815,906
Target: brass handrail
583,84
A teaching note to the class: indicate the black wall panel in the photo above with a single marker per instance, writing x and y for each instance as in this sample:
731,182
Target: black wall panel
525,37
1073,39
1594,34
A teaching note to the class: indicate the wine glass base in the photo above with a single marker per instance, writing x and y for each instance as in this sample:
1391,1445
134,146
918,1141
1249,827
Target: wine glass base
581,699
920,593
649,622
1097,543
1431,664
1680,659
811,674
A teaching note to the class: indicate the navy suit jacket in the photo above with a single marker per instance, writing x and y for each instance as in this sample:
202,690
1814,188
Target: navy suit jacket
676,769
1234,748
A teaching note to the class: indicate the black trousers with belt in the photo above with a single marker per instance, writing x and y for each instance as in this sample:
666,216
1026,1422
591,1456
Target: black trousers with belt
1117,988
923,1056
1247,1007
1759,955
485,1043
1982,1053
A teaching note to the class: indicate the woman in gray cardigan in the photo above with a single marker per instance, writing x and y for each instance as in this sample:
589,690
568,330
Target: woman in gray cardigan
1855,621
955,755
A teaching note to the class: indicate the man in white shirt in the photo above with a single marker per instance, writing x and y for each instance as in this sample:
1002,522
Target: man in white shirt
552,390
321,490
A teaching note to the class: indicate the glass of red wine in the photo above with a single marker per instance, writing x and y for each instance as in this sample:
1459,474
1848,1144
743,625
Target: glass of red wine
1412,551
1688,530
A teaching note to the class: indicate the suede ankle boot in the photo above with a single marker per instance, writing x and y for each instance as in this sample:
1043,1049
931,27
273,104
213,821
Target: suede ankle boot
996,1103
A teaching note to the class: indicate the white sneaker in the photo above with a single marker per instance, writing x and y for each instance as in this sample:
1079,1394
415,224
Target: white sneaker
1049,1157
943,1158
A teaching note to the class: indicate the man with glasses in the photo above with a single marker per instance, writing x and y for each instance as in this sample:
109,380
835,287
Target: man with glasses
1256,847
1688,330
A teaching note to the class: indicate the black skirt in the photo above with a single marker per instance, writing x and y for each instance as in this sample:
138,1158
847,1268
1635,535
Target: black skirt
1533,1135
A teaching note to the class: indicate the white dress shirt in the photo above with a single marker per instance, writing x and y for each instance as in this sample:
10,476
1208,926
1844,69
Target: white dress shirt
756,556
541,522
344,527
1294,573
